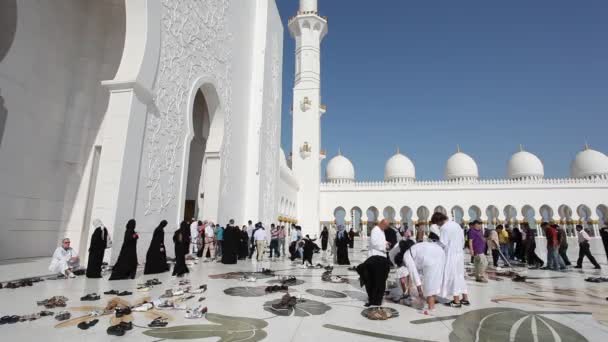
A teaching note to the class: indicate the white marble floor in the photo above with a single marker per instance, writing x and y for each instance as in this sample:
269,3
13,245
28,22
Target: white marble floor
550,306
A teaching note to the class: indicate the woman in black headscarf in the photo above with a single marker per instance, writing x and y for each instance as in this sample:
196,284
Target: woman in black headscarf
324,239
342,241
126,265
99,241
156,258
182,243
230,249
244,244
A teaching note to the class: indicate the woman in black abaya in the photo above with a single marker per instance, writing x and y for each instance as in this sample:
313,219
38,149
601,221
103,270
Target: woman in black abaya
244,244
324,239
230,248
342,242
99,241
182,243
156,258
126,265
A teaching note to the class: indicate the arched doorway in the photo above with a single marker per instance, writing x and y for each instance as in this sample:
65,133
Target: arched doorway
202,152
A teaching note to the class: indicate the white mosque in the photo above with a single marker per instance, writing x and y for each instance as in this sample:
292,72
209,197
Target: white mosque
171,109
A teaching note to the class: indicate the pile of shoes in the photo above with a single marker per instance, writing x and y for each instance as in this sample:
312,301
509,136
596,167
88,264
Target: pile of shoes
53,302
328,277
87,325
287,301
597,279
63,315
25,318
19,283
145,287
379,314
170,293
329,268
119,329
90,297
184,282
158,322
197,312
276,288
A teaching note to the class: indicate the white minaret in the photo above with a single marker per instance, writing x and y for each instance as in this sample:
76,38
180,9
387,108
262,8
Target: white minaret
308,29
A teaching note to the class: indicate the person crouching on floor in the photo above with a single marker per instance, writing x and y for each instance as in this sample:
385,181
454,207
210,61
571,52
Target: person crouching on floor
65,260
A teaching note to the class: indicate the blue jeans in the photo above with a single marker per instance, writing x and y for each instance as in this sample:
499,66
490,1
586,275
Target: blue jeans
554,261
504,249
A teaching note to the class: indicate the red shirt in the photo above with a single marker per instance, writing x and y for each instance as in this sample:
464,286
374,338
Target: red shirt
552,239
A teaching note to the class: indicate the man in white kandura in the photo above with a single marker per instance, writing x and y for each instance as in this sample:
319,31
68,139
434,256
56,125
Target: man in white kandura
427,258
65,260
452,239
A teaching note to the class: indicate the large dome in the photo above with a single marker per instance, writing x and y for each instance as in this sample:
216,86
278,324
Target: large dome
524,164
589,163
399,168
461,166
340,170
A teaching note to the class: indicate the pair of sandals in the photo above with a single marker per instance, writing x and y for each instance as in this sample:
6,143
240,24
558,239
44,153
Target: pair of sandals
10,319
122,311
119,329
63,316
453,304
379,314
53,302
286,302
276,288
117,293
90,297
87,325
158,322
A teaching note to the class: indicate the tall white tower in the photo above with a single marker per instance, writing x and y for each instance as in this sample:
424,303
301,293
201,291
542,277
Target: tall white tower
308,29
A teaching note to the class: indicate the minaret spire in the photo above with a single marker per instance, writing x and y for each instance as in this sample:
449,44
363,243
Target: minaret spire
458,148
521,148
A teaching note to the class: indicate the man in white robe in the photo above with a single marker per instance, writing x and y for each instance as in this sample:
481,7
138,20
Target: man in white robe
452,239
65,260
374,271
194,237
427,258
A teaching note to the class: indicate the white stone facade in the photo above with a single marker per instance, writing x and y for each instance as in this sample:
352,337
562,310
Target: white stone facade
97,120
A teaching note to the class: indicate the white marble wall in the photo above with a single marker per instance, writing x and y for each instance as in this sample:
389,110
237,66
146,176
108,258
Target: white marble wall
55,105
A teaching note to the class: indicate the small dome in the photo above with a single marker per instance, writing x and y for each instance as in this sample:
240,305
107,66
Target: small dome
461,166
524,164
589,163
399,168
340,170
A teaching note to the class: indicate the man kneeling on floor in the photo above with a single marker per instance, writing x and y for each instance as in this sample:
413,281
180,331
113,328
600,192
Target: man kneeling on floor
65,260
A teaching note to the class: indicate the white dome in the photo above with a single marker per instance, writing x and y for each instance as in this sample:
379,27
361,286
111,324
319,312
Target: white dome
589,163
461,166
398,168
340,169
524,164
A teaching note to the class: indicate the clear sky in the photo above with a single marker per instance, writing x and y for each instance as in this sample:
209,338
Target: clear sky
487,75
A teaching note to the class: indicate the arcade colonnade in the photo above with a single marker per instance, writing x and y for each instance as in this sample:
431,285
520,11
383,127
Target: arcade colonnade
565,201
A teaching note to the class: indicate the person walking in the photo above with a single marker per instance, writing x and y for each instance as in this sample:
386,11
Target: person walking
563,245
477,246
584,248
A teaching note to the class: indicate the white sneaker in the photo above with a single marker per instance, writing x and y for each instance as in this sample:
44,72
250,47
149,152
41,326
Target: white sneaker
143,307
71,275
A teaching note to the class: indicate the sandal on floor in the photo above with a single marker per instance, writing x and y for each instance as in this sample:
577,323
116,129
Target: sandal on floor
465,302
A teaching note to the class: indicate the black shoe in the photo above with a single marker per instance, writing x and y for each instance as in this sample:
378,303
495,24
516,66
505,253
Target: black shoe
4,319
46,313
367,305
597,267
83,325
465,302
577,266
111,292
122,312
115,330
124,293
126,326
90,297
158,323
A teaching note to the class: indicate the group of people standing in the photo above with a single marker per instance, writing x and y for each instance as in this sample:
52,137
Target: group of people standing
434,268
